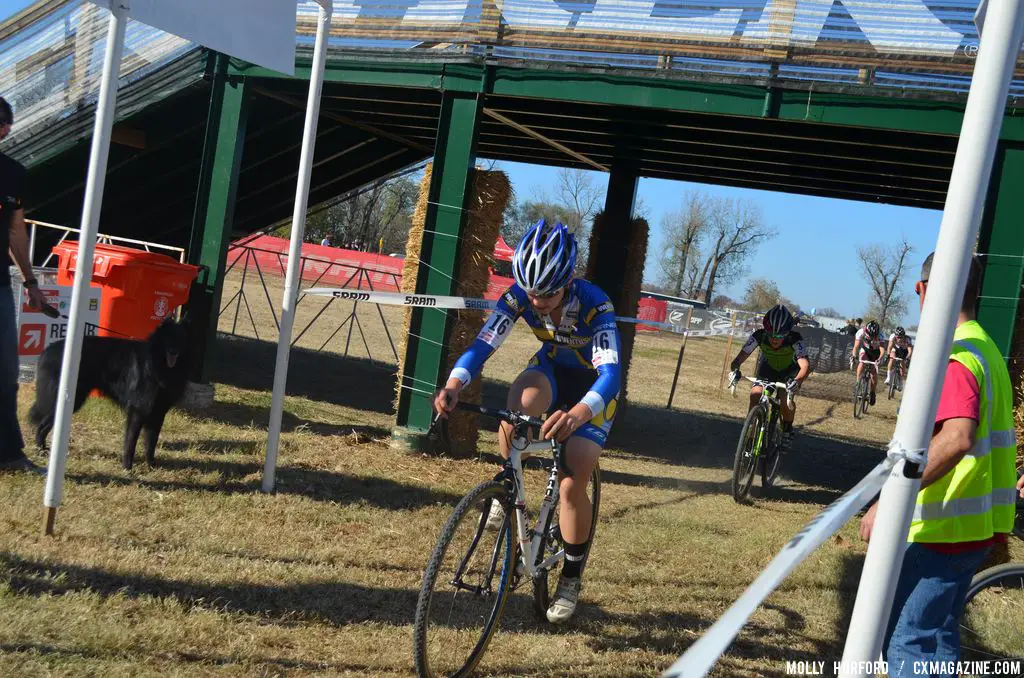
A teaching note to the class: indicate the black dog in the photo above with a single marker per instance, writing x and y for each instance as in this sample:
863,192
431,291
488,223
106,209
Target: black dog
145,378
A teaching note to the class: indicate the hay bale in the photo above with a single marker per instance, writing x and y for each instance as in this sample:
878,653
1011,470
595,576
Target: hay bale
490,193
1016,365
627,295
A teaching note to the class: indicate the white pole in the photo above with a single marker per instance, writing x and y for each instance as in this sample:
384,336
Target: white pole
291,281
86,247
968,186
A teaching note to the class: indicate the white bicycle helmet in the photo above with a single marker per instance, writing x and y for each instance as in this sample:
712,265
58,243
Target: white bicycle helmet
544,259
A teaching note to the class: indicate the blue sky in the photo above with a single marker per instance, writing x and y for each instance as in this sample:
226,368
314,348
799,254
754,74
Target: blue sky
814,257
9,7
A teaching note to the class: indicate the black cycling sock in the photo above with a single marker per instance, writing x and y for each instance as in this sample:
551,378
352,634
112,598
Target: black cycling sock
574,555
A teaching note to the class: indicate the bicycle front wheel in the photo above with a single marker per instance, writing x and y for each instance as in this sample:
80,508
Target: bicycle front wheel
546,581
892,385
859,394
465,586
773,456
748,451
991,621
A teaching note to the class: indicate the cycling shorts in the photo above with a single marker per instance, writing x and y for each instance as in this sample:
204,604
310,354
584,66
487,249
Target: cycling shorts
901,353
568,386
766,372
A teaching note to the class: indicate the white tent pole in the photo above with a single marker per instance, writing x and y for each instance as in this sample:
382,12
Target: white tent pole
291,281
83,269
965,200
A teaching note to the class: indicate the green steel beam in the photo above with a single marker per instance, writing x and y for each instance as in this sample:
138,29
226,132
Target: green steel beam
215,205
880,112
1002,240
426,355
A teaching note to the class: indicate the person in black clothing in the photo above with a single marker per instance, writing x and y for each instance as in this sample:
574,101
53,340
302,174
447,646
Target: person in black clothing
13,241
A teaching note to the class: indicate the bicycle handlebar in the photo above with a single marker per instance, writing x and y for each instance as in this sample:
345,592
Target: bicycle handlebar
516,419
508,416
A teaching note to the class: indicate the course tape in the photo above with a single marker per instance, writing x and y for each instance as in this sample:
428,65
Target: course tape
702,655
443,302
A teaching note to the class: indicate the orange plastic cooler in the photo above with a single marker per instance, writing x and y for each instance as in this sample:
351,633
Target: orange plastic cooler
139,288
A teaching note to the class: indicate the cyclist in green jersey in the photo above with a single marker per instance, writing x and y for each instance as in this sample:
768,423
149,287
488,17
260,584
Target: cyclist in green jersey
783,359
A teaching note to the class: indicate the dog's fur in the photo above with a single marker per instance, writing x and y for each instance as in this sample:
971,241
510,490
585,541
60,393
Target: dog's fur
145,378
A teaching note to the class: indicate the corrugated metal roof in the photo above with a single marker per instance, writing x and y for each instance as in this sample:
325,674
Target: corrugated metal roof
51,53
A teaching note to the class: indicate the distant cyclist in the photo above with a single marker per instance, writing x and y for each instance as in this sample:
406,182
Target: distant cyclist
899,347
574,378
783,359
867,346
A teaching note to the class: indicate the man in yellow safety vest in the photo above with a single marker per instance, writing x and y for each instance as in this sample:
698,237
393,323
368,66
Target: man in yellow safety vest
967,499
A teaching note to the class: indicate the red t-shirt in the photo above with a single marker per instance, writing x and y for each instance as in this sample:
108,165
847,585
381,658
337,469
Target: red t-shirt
960,399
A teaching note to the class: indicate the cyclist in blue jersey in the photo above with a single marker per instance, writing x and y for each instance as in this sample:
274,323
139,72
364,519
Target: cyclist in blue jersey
574,378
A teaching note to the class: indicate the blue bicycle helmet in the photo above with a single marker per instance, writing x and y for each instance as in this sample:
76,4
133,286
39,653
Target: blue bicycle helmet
545,258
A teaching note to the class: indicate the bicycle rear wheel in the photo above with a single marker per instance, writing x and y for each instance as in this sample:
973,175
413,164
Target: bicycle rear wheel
546,581
772,458
747,453
465,586
990,626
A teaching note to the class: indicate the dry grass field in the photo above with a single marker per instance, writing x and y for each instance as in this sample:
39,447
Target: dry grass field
186,569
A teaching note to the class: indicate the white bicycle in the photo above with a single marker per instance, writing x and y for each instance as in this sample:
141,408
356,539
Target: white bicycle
473,570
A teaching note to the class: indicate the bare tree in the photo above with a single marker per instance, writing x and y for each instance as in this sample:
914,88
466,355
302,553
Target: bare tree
761,295
883,267
735,229
683,229
378,217
575,190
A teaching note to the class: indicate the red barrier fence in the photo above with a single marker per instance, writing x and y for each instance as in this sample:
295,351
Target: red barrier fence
331,266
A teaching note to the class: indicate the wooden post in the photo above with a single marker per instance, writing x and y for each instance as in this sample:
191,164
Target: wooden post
51,517
679,362
728,352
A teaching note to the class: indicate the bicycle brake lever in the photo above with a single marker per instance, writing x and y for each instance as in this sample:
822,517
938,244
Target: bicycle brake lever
433,422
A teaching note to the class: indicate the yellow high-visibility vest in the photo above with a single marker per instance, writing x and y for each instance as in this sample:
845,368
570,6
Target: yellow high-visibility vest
977,498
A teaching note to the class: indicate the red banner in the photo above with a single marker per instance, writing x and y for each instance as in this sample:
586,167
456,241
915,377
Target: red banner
332,266
651,309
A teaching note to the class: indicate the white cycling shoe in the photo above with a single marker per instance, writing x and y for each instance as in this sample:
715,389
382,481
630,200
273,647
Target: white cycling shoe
496,517
564,604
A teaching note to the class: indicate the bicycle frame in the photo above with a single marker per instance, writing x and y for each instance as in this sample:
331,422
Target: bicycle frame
874,367
770,399
531,541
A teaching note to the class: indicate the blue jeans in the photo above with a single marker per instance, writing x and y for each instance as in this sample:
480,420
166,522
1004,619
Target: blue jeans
924,622
12,445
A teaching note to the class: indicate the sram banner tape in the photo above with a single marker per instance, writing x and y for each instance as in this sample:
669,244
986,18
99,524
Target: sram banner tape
702,655
442,302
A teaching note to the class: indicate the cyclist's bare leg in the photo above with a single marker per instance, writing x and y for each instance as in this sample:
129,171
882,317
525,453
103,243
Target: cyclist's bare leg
860,368
788,414
873,377
529,393
575,512
755,396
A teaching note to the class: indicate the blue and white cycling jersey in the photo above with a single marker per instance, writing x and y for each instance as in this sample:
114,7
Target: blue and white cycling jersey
587,338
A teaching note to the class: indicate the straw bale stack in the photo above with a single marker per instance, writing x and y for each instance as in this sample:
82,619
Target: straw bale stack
490,194
626,296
